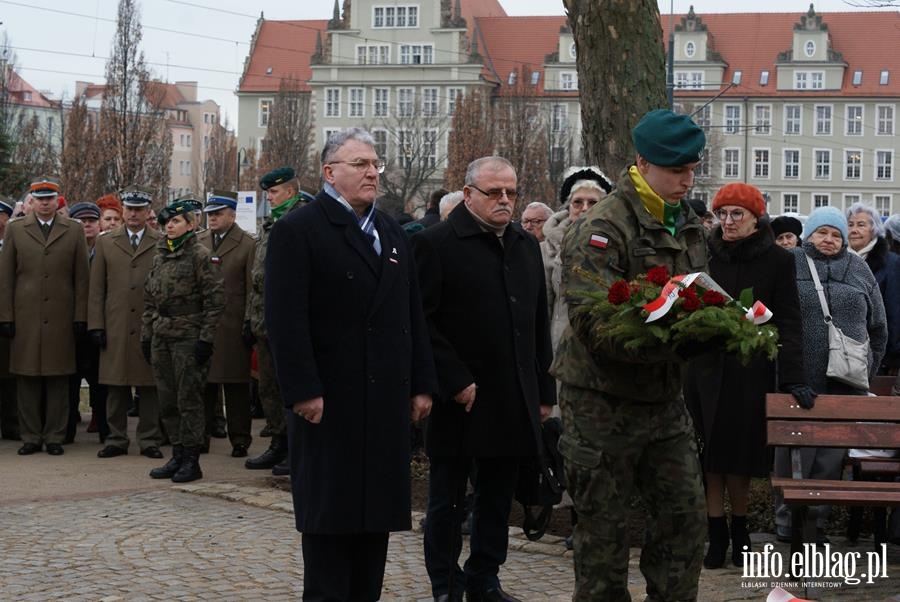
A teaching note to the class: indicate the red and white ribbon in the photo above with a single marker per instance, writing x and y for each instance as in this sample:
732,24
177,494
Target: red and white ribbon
780,595
759,313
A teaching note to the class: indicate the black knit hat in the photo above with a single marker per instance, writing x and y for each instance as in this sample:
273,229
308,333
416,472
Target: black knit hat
585,173
786,223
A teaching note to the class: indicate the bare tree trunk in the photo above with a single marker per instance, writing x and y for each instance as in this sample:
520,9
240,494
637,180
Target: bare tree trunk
621,73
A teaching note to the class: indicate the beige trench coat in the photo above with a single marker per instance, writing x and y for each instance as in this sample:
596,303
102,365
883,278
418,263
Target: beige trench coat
117,303
231,358
43,290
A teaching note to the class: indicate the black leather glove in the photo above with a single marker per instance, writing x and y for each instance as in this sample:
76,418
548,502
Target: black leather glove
202,352
804,394
146,351
7,330
247,334
80,328
98,337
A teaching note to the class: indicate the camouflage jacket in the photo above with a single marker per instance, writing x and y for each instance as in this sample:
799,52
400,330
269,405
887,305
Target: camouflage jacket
184,294
256,306
628,241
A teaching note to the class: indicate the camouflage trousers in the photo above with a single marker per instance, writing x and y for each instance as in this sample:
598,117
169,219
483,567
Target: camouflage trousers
269,393
179,387
614,448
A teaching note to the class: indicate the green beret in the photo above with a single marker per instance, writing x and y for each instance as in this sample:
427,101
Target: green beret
667,139
176,207
276,177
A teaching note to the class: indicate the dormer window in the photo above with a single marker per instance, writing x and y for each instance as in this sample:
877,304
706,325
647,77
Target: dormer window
535,77
268,71
809,48
764,78
512,78
572,52
884,78
690,49
736,78
857,78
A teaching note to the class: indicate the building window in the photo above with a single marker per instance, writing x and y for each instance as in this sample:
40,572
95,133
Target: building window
852,164
761,163
702,170
568,80
573,53
822,164
380,137
817,80
763,119
823,120
884,78
416,54
791,163
854,120
453,96
801,80
405,100
395,16
763,78
559,118
188,137
884,162
429,147
850,199
373,55
405,146
703,118
429,102
793,119
332,102
821,200
790,202
809,48
356,102
857,78
885,120
732,119
265,108
883,204
181,140
690,49
380,106
689,79
732,163
809,80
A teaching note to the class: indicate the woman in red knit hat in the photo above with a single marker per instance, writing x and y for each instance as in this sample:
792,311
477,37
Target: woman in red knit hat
727,398
110,212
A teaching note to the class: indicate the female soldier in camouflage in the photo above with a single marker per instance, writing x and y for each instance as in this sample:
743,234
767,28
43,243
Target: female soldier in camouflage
183,298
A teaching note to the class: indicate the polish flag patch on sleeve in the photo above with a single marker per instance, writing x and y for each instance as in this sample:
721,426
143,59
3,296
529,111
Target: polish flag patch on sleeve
597,241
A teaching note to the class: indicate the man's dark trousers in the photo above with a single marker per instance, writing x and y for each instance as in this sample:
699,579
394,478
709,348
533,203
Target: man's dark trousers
494,488
343,566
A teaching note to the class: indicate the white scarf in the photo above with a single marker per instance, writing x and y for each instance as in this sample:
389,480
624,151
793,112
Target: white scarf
865,250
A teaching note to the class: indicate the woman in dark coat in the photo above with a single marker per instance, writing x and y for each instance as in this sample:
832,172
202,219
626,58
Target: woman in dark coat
727,398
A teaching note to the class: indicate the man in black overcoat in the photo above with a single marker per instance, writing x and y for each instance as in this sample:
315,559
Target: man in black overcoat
353,361
484,296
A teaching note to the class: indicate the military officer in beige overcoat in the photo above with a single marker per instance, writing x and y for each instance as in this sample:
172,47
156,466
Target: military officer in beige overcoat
231,248
43,304
9,418
122,259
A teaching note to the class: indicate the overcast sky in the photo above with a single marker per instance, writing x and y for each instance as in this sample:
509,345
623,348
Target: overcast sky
57,43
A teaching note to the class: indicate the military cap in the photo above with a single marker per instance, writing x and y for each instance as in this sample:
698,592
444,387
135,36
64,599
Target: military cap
6,206
134,196
276,177
44,187
667,139
221,199
82,210
179,206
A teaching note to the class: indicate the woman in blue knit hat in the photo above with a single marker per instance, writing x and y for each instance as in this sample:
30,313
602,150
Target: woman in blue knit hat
856,308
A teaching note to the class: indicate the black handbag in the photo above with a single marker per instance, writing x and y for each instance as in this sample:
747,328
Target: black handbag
541,481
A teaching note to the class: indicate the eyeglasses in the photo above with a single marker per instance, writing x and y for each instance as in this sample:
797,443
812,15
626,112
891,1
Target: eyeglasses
363,164
736,215
533,222
495,193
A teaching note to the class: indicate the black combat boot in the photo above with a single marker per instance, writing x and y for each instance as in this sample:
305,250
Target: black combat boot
190,467
739,538
167,470
718,542
268,459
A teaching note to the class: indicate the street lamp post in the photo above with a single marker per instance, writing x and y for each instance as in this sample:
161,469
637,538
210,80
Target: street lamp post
240,164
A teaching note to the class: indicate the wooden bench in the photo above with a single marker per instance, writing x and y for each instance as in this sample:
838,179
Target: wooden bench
882,385
841,422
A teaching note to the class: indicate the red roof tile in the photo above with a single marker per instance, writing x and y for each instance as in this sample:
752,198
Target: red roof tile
23,93
285,47
512,42
166,96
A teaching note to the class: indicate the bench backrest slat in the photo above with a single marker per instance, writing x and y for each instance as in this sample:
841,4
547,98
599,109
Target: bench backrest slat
835,407
799,433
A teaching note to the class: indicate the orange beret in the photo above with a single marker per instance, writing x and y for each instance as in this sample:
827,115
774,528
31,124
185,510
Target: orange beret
742,195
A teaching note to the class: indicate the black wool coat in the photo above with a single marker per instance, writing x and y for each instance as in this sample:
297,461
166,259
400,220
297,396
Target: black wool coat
347,325
727,398
486,307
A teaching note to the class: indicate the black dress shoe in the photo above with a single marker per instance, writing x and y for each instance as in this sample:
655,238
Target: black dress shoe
239,451
110,451
151,452
491,595
55,449
218,431
282,469
29,448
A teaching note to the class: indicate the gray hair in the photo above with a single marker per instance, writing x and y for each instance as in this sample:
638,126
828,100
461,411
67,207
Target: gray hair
539,205
892,227
449,201
341,137
475,167
877,226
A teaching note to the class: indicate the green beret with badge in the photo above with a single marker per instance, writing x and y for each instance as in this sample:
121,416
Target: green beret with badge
668,139
179,206
276,177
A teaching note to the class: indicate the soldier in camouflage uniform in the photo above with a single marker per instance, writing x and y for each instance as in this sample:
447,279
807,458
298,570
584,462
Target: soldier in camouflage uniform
626,425
284,195
184,296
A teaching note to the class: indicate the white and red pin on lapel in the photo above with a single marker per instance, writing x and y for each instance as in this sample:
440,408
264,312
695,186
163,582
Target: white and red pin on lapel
393,257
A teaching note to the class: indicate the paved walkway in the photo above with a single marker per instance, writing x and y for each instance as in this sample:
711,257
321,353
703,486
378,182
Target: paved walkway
80,528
